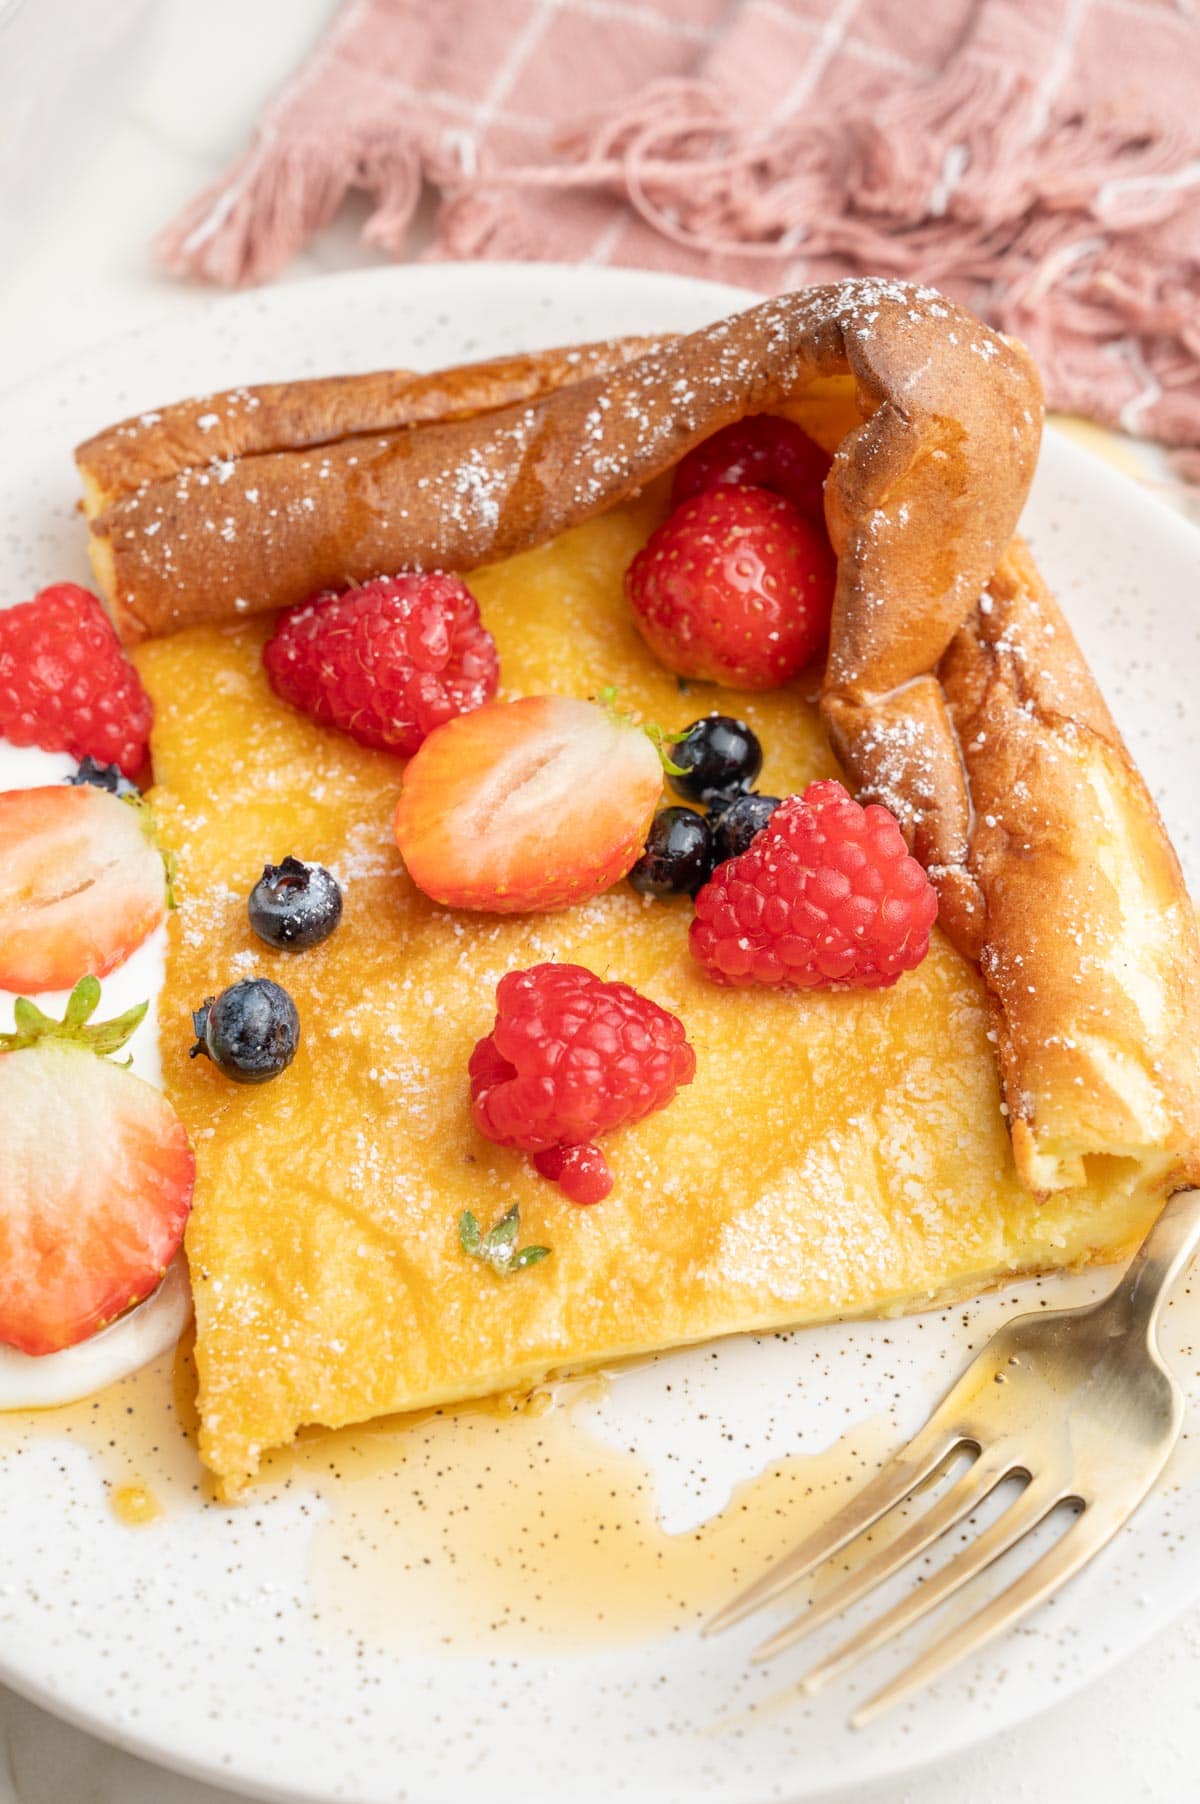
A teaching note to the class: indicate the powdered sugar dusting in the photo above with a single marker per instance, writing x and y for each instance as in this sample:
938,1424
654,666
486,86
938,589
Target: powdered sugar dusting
459,492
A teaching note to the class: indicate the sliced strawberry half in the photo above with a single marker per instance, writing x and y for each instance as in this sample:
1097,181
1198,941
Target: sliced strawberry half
527,805
82,883
95,1177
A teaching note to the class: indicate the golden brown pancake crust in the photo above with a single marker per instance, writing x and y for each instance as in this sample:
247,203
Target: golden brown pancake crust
1088,943
204,514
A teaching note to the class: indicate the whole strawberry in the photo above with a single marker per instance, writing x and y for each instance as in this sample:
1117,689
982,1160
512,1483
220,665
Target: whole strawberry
735,587
66,684
569,1058
827,897
769,452
386,663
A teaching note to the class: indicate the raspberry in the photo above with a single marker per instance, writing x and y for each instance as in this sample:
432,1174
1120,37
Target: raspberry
769,452
386,663
827,897
571,1057
66,684
735,587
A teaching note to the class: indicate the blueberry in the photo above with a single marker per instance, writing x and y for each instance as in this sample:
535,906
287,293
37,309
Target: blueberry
250,1031
295,905
738,822
678,857
720,757
104,776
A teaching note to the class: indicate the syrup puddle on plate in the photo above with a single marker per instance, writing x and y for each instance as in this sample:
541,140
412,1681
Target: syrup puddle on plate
493,1525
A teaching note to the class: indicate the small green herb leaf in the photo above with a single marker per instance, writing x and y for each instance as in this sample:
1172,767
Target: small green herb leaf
502,1238
498,1247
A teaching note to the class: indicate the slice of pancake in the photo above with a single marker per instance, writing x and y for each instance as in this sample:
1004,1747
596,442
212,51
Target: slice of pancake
837,1154
1022,1101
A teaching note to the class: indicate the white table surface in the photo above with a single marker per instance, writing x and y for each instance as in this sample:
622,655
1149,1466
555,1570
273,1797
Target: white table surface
172,106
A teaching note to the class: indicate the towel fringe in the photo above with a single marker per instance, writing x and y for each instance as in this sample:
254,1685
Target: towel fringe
898,184
247,227
1040,225
1066,229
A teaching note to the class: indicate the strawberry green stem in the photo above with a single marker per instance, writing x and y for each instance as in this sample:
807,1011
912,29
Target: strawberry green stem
76,1027
658,736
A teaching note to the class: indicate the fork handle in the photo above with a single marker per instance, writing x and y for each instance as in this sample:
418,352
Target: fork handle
1163,1255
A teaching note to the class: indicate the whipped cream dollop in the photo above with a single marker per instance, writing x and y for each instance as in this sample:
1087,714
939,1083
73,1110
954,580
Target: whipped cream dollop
53,1379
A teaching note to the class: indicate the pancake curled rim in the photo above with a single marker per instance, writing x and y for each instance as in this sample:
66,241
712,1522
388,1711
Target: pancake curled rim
954,691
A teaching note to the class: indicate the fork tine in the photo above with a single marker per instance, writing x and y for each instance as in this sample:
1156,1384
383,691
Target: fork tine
902,1474
1092,1530
1024,1513
980,1478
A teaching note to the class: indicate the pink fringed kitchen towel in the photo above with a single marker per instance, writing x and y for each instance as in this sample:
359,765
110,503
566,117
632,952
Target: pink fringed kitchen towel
1037,159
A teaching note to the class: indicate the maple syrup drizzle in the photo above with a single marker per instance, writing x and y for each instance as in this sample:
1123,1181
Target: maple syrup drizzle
504,1521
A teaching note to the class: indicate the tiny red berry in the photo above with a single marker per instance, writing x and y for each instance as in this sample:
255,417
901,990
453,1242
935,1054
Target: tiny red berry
581,1172
765,451
571,1057
735,587
66,684
386,663
827,896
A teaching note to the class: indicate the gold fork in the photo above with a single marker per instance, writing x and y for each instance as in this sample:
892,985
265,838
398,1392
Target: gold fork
1076,1402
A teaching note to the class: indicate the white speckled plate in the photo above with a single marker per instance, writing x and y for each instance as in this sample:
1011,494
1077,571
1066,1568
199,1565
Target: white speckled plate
217,1641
